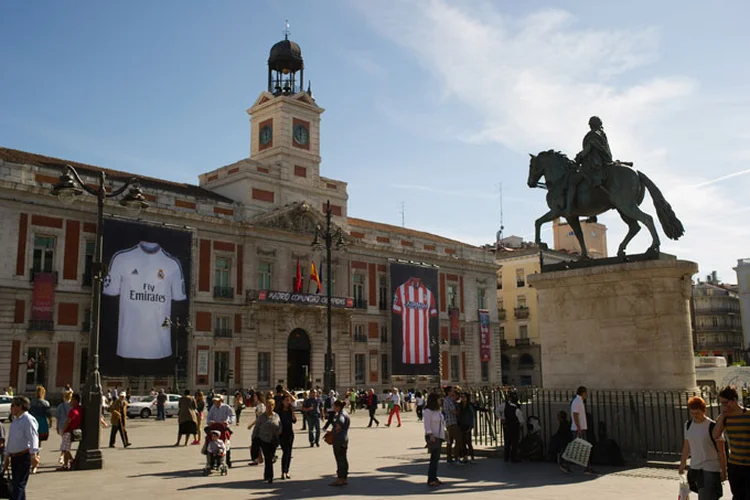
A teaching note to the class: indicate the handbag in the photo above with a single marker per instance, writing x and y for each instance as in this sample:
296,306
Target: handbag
76,435
695,479
328,437
6,486
437,445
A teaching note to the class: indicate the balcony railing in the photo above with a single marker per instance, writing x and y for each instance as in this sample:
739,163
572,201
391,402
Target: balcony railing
716,311
724,344
360,303
223,292
33,272
521,312
504,344
41,325
501,314
86,279
222,333
520,284
523,342
719,328
360,337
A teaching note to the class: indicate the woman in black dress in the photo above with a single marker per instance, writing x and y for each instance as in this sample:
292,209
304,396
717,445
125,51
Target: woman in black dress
286,439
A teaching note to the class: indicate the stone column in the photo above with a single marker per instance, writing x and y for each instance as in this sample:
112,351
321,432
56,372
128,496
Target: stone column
621,326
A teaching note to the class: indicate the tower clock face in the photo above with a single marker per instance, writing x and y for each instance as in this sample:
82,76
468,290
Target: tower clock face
266,134
301,134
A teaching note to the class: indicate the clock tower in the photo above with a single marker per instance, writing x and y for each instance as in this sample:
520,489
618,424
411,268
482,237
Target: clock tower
284,162
285,119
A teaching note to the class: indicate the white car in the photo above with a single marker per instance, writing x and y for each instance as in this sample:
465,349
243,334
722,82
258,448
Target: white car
147,407
5,407
299,398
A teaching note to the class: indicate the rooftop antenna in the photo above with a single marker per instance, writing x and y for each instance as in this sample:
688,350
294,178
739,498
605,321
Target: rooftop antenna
403,214
286,29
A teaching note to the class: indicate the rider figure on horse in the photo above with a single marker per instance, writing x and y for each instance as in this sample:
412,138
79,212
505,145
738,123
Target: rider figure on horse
593,160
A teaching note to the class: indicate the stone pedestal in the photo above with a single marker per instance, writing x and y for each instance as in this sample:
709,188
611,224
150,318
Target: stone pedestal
622,326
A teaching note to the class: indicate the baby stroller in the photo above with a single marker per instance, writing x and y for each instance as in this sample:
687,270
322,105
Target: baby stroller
217,462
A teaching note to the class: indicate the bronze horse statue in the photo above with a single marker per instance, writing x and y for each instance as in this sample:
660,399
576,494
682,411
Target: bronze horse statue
623,190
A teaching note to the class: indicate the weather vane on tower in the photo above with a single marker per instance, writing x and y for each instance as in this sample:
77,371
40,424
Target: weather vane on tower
286,29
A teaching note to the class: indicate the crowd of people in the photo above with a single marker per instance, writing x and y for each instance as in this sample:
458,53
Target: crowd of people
718,450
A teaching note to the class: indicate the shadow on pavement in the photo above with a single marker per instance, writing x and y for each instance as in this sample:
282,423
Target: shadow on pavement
398,480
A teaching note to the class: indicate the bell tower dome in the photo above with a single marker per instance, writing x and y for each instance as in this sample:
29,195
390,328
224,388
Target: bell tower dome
284,62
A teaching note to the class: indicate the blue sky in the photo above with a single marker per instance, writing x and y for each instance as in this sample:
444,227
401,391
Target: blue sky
433,103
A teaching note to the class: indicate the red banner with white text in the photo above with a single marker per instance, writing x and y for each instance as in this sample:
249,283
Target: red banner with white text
485,350
43,297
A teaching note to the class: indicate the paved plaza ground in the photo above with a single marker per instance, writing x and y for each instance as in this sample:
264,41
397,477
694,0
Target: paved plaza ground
384,462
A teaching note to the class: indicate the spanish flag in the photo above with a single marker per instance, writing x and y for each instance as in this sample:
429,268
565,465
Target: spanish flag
314,276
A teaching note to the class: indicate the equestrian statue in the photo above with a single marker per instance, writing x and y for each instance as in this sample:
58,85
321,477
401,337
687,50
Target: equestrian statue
594,184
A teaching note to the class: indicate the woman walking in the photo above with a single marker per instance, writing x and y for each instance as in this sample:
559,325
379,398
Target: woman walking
288,419
420,405
40,410
61,414
188,419
239,404
257,408
200,405
466,421
434,434
267,430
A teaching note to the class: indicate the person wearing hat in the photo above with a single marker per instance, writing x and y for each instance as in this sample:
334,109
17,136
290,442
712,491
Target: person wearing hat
216,448
117,413
221,413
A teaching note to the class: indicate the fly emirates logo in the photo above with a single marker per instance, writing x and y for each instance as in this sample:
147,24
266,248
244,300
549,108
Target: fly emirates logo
148,294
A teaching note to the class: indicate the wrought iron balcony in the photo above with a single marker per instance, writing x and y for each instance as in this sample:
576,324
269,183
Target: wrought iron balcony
521,312
223,333
41,325
223,292
523,342
360,337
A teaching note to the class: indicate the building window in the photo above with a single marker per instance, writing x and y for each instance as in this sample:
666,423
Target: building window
358,291
221,368
264,275
88,260
714,322
501,332
523,331
86,325
359,334
383,293
499,281
485,371
452,296
526,380
36,367
222,278
454,368
520,278
44,254
384,368
359,368
384,334
521,301
221,327
480,298
264,368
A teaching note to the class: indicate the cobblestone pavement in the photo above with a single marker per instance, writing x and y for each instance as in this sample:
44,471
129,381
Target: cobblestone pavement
384,462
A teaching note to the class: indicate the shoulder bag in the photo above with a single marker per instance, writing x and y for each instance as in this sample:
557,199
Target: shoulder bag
6,486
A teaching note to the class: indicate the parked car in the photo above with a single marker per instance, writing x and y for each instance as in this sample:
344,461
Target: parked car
146,407
5,407
299,398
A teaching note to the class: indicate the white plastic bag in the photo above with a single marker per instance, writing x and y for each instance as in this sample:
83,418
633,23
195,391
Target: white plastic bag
578,452
684,490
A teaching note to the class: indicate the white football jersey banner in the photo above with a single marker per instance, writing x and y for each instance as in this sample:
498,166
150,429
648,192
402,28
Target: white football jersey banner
147,280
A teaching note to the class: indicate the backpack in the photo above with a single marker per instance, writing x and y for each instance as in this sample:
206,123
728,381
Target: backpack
510,414
710,434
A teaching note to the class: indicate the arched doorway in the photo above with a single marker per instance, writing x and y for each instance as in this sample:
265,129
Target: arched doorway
298,360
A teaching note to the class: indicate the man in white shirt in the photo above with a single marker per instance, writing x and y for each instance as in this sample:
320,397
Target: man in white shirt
221,413
578,424
22,446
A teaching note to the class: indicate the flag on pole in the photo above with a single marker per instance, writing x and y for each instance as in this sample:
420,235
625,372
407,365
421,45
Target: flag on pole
298,280
314,276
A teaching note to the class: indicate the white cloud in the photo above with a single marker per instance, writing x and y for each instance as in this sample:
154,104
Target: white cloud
532,82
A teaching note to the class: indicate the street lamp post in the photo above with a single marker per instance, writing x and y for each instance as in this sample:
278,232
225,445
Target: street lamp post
328,236
177,358
70,185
